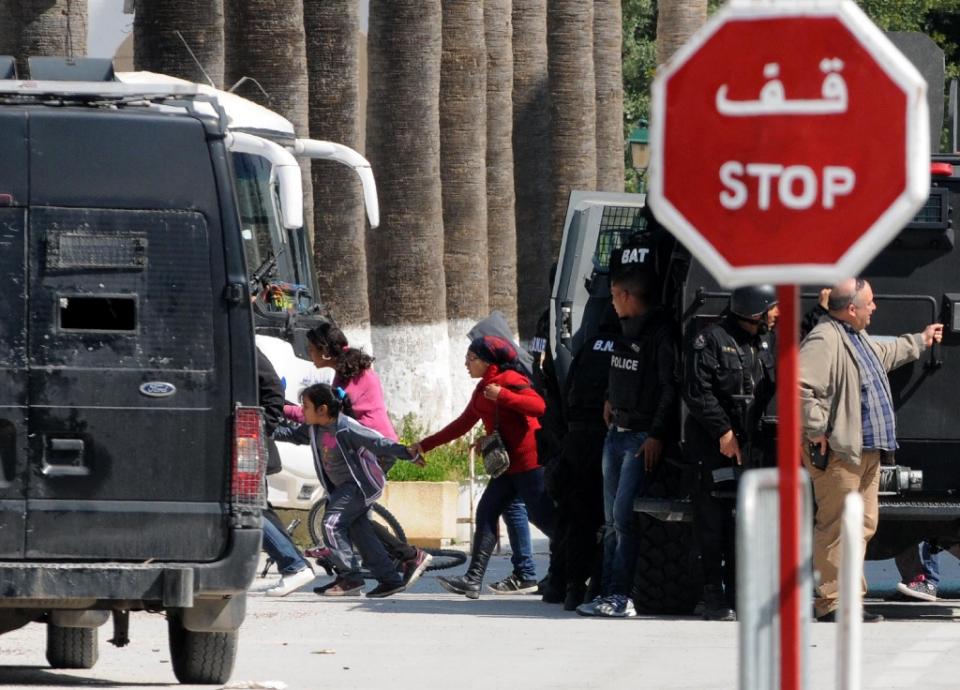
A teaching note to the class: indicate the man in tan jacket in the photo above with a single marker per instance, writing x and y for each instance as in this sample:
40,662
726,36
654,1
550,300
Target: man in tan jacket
846,411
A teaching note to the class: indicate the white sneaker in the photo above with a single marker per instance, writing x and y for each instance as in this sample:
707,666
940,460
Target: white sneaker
590,608
616,606
291,583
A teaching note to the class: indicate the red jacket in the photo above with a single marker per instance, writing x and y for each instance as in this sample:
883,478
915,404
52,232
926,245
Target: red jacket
518,405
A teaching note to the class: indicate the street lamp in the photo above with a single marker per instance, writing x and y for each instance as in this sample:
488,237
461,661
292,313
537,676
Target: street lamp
639,141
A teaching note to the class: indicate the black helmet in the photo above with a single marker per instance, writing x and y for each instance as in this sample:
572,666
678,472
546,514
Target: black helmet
753,301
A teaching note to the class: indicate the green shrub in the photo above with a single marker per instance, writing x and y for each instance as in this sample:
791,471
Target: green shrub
449,463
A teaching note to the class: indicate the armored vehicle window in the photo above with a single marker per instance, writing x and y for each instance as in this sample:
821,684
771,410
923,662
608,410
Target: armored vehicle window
617,225
81,313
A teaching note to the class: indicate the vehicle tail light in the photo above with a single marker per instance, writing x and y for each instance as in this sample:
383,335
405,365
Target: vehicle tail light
941,169
249,460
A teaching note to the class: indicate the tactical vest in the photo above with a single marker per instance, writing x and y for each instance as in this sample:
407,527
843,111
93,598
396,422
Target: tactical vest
588,377
633,379
740,375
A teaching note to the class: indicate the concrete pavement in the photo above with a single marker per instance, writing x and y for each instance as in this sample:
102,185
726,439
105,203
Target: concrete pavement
430,639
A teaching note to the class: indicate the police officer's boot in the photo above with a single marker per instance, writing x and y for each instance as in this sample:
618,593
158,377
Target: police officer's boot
576,595
715,606
469,584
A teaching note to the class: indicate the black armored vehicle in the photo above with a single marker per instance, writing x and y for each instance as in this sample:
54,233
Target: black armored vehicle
131,446
916,281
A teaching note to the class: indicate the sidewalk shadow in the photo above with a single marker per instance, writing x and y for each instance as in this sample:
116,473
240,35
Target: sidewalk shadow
43,675
487,607
916,611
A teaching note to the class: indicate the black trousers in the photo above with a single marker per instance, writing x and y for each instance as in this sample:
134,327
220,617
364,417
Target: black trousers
715,527
396,549
577,488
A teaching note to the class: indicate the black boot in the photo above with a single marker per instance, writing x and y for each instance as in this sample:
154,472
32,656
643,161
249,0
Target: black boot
576,595
469,584
715,606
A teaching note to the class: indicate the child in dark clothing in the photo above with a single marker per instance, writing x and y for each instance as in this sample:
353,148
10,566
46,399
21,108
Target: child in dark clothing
345,455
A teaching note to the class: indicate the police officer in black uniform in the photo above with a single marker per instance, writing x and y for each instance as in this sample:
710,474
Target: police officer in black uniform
640,410
576,482
729,379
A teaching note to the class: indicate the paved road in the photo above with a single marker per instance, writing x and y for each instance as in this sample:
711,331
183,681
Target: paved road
429,639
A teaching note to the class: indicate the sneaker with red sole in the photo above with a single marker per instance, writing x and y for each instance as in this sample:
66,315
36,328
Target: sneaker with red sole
918,588
414,567
342,587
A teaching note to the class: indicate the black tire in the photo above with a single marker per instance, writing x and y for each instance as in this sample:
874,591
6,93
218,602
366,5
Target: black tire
445,558
381,515
384,516
201,658
668,577
71,647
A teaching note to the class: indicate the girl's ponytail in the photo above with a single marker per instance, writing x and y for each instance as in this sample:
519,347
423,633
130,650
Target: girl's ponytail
350,361
336,399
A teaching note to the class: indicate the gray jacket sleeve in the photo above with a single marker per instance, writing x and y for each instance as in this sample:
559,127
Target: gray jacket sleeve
363,437
299,435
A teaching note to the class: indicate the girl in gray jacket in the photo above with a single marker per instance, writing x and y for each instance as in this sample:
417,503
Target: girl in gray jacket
345,456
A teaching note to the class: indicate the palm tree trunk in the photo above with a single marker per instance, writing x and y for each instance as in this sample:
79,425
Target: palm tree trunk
264,40
407,289
46,28
156,46
608,66
501,222
531,154
677,21
463,150
339,244
9,27
572,106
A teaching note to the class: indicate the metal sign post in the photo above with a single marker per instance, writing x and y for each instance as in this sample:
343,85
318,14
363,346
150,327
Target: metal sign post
788,462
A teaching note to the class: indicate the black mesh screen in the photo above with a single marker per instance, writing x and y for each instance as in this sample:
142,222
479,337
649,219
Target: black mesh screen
617,225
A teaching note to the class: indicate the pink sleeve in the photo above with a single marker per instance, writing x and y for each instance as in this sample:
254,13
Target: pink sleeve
293,412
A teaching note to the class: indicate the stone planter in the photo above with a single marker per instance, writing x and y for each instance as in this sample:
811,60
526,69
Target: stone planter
426,510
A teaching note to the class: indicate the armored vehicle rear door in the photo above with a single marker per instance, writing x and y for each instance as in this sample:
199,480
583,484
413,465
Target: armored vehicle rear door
597,225
916,281
13,333
128,361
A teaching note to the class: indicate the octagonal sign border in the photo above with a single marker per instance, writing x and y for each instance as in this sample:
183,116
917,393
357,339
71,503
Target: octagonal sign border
917,173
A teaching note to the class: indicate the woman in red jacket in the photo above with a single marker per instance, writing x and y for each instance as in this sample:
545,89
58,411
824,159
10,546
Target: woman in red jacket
505,401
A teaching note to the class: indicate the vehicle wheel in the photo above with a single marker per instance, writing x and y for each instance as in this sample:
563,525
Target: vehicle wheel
71,647
445,558
668,578
381,515
203,658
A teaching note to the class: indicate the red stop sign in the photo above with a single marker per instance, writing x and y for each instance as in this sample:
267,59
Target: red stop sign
789,144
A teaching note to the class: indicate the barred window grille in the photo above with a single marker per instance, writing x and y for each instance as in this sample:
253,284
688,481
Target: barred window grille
617,225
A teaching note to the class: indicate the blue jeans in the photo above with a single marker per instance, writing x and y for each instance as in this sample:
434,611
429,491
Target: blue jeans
518,531
919,560
624,478
281,549
930,562
502,491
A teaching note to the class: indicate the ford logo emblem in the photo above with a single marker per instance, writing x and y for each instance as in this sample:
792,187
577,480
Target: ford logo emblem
158,389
